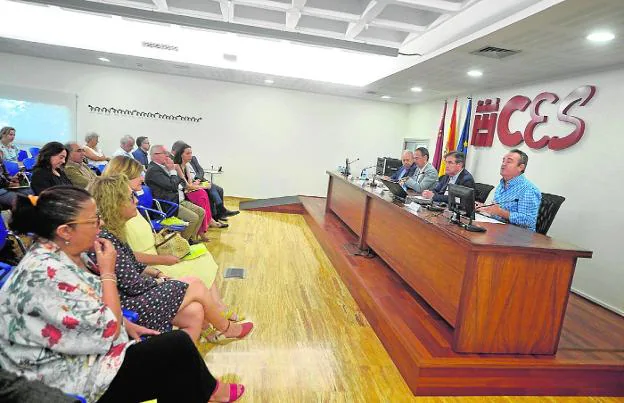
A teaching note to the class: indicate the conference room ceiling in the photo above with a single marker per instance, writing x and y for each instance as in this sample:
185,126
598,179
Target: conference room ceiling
551,42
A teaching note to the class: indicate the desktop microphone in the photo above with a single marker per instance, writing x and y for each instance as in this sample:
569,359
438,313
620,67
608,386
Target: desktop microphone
364,169
347,166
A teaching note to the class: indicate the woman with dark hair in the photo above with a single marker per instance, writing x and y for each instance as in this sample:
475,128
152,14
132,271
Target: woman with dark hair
194,191
61,321
48,170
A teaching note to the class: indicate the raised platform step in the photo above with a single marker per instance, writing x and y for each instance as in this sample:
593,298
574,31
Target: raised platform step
285,204
590,360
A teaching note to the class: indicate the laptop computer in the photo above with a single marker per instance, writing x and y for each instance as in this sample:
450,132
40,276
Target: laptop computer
395,188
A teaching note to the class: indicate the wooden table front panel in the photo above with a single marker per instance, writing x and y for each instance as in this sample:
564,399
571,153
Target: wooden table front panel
348,203
428,260
513,303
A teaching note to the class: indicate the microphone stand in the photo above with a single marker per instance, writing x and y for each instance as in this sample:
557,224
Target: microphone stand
348,167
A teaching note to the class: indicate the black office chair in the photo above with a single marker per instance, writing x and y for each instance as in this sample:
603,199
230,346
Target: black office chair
547,211
482,191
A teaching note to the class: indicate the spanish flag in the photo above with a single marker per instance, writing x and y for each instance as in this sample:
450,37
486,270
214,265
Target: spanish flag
450,141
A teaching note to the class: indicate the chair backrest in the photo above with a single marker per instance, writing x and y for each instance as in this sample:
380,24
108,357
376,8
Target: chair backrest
34,151
4,233
22,155
146,199
29,163
547,211
482,191
11,167
5,270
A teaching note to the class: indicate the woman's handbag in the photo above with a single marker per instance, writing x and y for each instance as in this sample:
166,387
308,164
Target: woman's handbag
171,243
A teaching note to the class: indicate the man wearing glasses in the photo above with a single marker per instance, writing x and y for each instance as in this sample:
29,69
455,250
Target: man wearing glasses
456,173
76,170
425,175
163,180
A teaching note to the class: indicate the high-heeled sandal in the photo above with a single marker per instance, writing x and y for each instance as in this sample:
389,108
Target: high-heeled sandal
219,337
234,394
231,315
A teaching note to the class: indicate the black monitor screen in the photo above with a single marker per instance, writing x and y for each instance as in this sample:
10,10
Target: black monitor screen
461,200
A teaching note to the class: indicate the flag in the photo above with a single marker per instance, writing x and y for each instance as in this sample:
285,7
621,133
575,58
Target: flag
437,157
450,141
462,143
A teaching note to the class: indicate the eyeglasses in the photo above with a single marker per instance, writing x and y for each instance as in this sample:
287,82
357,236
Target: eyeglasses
97,221
133,199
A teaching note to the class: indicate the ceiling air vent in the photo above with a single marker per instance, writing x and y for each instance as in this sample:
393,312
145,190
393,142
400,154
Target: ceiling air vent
371,92
161,46
494,53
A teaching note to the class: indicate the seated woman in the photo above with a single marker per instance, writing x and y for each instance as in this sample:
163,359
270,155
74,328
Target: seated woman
10,185
140,237
195,192
61,321
7,136
157,298
92,153
48,171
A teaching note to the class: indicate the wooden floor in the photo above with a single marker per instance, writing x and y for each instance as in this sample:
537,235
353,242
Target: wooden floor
312,343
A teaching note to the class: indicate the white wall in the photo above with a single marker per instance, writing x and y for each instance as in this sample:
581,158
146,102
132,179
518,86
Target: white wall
588,174
270,142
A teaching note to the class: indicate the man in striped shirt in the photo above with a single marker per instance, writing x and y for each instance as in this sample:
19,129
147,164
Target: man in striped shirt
516,199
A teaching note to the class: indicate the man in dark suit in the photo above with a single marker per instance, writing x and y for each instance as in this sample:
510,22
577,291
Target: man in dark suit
215,193
408,168
163,180
455,174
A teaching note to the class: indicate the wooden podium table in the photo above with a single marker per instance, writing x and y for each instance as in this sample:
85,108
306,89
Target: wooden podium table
503,291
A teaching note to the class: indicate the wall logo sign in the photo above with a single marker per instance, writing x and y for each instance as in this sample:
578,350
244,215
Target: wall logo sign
140,114
487,120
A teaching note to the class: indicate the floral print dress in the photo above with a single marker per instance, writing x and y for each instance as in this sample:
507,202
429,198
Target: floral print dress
54,326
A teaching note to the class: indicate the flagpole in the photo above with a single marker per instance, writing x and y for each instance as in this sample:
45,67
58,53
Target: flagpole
437,157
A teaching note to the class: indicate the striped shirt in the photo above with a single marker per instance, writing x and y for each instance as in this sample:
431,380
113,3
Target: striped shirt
521,198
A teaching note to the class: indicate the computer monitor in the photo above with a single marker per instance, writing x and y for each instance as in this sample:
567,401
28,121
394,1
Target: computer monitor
461,201
387,166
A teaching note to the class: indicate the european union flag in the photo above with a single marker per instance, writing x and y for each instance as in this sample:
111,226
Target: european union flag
462,144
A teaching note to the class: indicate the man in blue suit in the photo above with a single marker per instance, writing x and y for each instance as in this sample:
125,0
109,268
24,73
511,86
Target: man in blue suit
455,174
408,168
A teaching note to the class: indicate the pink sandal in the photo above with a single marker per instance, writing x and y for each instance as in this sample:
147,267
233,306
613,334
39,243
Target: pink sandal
218,337
234,394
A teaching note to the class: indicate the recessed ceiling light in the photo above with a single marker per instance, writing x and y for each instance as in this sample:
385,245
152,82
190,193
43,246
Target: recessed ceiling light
386,97
475,73
268,81
103,59
601,36
416,89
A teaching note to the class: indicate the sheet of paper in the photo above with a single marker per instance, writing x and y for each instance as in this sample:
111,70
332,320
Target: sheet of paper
413,207
482,218
419,197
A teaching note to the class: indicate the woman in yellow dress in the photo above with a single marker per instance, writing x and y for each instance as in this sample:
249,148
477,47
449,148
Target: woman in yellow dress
140,237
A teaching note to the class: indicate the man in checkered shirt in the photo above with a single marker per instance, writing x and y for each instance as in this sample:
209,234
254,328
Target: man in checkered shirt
516,199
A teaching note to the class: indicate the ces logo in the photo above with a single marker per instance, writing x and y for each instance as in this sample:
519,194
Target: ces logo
486,117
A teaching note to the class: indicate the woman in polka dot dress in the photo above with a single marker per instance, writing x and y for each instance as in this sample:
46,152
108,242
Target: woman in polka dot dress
159,300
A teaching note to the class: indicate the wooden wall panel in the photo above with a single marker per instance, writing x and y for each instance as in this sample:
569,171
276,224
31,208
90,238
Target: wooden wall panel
513,303
433,265
348,204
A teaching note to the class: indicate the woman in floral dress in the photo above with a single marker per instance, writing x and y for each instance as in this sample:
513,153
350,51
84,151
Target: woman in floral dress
61,322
